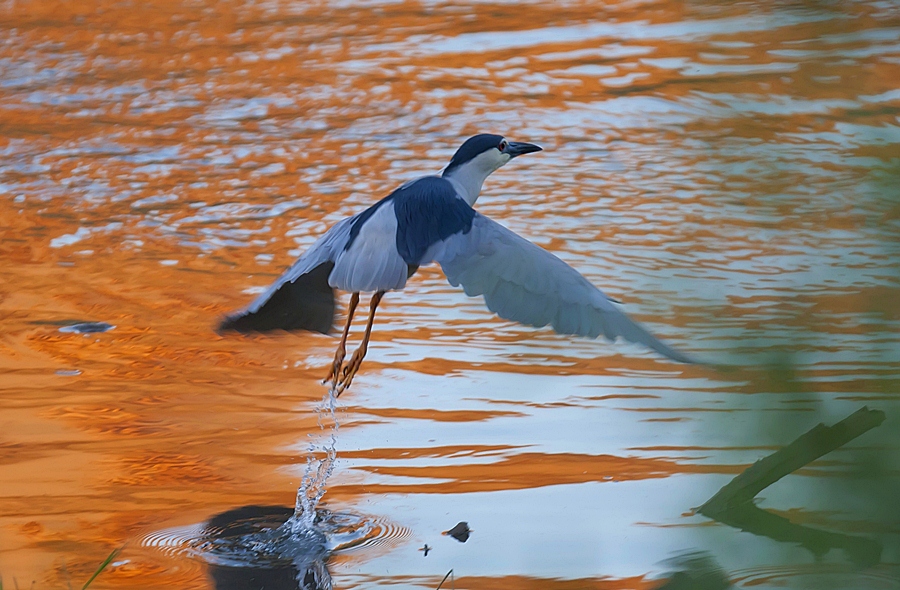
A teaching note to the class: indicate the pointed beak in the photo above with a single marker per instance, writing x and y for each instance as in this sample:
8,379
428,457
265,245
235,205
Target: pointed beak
517,148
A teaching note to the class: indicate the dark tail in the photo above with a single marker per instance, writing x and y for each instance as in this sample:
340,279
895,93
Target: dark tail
307,303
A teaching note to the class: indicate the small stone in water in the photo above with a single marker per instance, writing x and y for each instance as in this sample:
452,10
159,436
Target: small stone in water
87,328
460,532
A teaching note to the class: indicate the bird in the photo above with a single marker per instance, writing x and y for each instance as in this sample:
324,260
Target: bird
432,219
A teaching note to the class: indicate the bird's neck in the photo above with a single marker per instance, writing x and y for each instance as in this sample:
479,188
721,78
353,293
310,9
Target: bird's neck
467,180
468,191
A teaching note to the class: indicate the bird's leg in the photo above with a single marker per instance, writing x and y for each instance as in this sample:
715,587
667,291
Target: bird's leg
352,367
342,347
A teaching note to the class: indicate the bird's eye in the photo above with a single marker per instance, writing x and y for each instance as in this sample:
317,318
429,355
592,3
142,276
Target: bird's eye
502,145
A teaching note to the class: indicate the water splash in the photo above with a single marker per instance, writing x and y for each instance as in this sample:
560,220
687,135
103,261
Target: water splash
262,539
251,543
328,404
312,485
248,543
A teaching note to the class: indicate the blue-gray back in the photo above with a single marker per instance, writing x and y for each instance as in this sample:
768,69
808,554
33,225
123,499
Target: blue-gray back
428,210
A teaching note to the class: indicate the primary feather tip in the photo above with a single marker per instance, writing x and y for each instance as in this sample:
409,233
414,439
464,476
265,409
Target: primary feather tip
306,303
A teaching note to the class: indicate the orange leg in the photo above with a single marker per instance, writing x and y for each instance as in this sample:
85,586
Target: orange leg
352,367
342,347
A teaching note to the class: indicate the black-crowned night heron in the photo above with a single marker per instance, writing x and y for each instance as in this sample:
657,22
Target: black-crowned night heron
431,219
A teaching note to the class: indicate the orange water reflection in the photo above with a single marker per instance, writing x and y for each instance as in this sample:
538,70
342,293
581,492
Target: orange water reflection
716,167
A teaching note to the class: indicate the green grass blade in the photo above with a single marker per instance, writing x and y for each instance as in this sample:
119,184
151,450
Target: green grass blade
439,585
99,569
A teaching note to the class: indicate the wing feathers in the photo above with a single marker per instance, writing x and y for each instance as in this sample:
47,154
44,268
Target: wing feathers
306,303
371,261
522,282
301,299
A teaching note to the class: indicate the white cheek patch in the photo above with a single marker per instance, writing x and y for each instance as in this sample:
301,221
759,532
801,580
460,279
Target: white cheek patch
491,160
500,160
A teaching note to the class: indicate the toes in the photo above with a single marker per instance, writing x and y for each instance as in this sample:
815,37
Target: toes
332,373
350,370
343,373
335,370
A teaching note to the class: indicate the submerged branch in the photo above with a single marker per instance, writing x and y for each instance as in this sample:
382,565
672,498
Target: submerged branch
809,447
733,504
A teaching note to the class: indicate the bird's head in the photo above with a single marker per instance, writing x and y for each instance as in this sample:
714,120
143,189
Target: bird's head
480,155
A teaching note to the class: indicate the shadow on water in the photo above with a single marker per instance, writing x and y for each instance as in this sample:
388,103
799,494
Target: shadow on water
863,552
695,571
254,547
270,547
276,547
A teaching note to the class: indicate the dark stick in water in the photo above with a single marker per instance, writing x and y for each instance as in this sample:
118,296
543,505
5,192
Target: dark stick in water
806,449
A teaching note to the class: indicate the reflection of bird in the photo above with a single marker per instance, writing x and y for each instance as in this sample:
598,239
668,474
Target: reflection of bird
432,219
460,532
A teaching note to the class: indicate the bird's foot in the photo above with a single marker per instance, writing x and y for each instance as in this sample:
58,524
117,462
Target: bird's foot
335,369
349,370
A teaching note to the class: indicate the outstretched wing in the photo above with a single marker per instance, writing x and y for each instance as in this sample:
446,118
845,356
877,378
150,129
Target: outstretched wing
523,282
301,299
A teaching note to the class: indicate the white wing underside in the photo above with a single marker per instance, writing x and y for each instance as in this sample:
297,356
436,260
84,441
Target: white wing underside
522,282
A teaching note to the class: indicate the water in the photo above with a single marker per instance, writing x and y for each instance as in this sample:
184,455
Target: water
728,171
313,485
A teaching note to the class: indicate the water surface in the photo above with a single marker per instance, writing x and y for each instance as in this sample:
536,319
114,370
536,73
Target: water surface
728,171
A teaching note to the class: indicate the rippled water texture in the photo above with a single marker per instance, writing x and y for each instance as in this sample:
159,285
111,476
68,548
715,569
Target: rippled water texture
729,171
